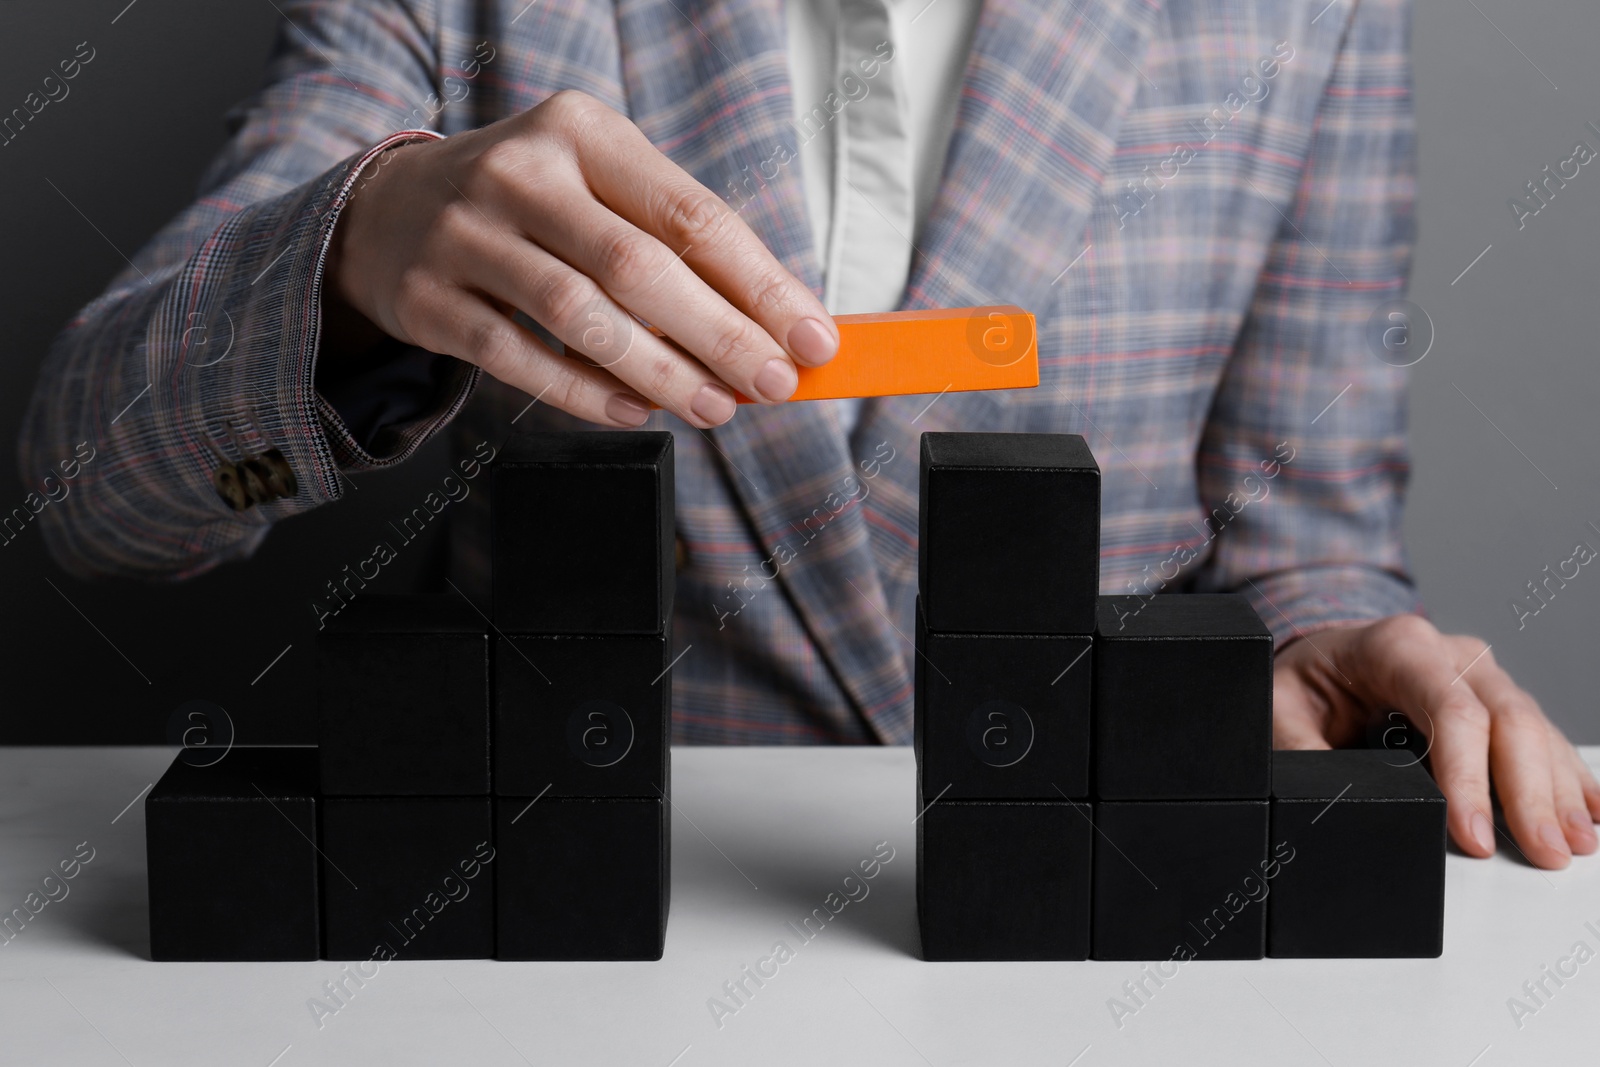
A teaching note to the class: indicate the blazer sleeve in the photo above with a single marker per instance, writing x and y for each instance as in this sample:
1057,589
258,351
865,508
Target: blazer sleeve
1310,495
190,380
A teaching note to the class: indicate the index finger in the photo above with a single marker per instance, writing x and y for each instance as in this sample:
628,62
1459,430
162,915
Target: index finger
1415,672
631,177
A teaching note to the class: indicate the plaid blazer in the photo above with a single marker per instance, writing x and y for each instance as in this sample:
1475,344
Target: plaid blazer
1203,203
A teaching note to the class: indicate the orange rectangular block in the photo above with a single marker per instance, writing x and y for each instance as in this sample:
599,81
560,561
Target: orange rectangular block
900,353
943,350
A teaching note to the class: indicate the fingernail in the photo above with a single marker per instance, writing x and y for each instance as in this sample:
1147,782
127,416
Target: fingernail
812,342
1583,826
1483,832
714,404
626,410
1551,837
777,380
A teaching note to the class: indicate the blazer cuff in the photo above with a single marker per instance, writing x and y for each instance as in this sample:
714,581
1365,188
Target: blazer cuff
404,423
1300,602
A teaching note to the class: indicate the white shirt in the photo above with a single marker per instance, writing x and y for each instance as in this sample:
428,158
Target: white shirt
875,85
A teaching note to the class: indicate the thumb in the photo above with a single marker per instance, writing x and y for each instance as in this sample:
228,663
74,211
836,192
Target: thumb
1292,731
1294,725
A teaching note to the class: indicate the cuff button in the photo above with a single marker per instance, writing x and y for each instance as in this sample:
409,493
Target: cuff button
230,488
283,481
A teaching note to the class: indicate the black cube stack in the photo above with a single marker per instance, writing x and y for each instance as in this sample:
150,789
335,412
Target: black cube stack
584,573
1183,767
1009,530
403,710
481,788
1095,775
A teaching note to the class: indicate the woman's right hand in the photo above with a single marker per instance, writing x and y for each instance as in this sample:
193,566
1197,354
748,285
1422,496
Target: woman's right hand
568,213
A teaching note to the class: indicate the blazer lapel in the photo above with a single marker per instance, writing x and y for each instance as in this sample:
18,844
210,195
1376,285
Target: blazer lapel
1041,107
708,83
1042,102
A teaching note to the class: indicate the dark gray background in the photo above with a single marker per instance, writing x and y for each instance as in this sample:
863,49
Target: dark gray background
1500,489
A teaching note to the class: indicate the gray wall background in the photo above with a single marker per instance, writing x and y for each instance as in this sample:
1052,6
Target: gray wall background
1505,408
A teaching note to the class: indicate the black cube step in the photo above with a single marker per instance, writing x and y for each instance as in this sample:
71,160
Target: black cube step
407,878
1009,533
403,698
1004,880
232,857
1180,880
1002,715
581,879
1182,698
582,716
582,532
1367,833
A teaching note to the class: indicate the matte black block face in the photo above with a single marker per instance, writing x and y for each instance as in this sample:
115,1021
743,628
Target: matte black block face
583,534
1182,698
581,716
1002,715
1367,830
407,878
581,879
1181,880
1009,526
1004,880
232,859
403,698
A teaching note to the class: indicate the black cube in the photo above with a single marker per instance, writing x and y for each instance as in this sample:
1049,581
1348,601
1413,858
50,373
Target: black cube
582,533
1366,833
1182,698
403,698
582,716
1004,880
1180,880
232,856
1009,531
407,878
581,878
1002,715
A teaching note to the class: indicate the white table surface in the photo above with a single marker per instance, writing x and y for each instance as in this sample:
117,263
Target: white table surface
760,837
